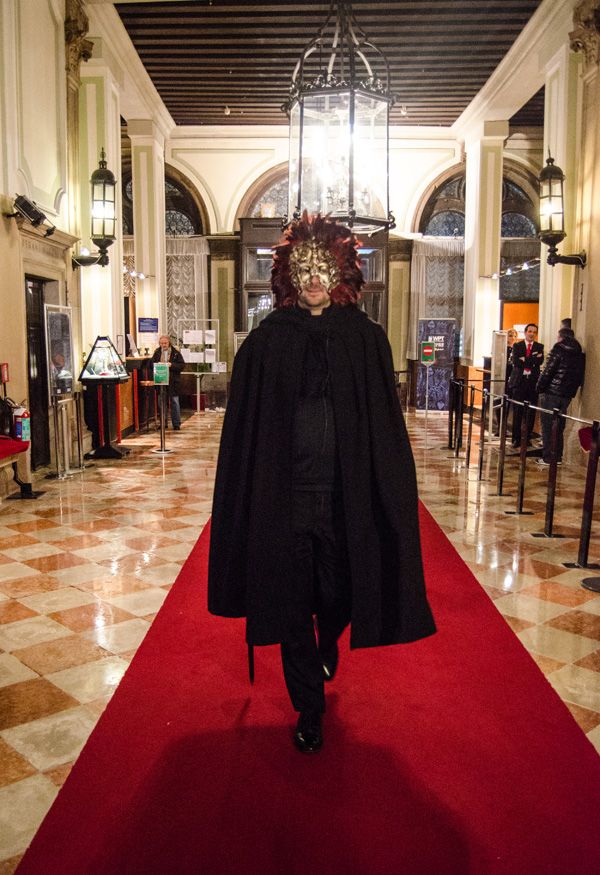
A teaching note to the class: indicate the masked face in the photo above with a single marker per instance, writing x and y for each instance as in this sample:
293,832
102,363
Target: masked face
312,259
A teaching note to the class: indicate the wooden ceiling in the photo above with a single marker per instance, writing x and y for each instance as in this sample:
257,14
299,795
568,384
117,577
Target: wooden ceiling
216,62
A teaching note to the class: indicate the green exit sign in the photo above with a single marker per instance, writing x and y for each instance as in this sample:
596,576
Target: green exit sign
427,352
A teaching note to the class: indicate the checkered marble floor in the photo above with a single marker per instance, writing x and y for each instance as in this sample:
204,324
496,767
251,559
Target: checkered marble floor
86,567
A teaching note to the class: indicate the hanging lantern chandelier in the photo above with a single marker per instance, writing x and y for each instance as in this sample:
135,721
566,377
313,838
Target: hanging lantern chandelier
338,112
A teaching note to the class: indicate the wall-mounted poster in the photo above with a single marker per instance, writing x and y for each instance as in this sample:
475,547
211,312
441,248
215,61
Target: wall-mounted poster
440,333
59,350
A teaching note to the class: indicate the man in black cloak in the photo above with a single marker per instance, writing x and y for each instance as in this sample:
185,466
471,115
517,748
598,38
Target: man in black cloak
315,505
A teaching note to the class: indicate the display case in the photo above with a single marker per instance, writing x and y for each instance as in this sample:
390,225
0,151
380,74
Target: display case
102,376
103,364
59,349
258,236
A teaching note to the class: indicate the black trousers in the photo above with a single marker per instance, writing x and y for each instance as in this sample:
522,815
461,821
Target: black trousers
523,391
322,590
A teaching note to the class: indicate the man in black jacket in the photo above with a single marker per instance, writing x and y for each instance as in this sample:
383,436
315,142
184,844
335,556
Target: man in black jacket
173,358
315,504
561,378
527,358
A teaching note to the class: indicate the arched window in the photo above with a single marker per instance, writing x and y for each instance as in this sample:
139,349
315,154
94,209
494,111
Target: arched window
271,202
182,216
444,213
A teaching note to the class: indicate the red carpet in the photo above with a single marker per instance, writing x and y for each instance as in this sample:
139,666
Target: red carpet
452,755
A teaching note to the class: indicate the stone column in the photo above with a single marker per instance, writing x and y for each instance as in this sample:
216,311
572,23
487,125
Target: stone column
148,188
77,49
585,39
100,128
483,216
561,139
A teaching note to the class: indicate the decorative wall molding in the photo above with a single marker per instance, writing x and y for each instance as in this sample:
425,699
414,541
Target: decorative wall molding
77,47
585,37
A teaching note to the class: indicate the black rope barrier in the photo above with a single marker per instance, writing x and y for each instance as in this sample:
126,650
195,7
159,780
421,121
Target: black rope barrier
455,433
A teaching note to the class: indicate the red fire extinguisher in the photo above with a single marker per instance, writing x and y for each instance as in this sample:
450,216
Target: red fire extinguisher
21,424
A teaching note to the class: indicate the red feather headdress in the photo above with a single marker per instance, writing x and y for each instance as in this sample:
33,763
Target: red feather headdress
337,239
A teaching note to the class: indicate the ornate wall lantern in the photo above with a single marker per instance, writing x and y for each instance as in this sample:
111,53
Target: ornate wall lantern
339,126
104,219
552,214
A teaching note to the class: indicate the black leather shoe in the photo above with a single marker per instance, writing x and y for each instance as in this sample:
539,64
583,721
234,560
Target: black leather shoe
308,736
330,662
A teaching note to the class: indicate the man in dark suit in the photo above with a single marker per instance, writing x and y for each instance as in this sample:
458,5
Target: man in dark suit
527,358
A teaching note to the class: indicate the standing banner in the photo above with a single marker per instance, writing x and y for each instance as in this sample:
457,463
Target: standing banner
433,393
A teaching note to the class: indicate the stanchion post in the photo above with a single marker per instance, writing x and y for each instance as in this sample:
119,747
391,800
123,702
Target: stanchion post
588,498
460,403
451,397
470,426
502,449
522,463
484,402
56,438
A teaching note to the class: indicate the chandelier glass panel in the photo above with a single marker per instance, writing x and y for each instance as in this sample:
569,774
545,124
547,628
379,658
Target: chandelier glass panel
339,126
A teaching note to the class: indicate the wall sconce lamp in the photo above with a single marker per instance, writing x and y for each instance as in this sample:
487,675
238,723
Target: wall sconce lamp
29,210
552,215
103,184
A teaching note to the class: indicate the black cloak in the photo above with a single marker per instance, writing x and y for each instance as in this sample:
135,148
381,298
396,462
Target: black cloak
251,566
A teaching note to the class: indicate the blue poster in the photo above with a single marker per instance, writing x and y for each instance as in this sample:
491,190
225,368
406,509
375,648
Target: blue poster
147,325
439,332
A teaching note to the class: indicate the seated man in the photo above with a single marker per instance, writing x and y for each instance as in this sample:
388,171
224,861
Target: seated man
173,358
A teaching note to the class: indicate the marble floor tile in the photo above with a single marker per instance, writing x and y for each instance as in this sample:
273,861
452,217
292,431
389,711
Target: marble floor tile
54,563
13,766
32,798
579,622
58,600
529,608
90,681
178,553
30,700
552,591
140,603
79,574
12,670
16,570
51,741
578,685
95,615
32,551
11,611
56,655
556,643
27,585
161,575
121,637
35,630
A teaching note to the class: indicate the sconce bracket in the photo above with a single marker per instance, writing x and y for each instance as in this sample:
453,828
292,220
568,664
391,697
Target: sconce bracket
579,260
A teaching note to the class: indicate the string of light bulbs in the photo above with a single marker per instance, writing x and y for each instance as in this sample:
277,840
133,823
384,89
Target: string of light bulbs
530,264
136,275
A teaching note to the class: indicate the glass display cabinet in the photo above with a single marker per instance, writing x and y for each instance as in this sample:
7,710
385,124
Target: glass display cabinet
103,364
255,300
101,376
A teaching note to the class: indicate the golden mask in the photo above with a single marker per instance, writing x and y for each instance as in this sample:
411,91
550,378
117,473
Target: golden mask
313,259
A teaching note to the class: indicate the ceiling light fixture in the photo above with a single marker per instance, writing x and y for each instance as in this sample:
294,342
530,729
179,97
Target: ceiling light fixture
338,111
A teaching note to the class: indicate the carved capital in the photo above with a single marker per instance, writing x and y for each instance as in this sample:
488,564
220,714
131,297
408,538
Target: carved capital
586,34
78,48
